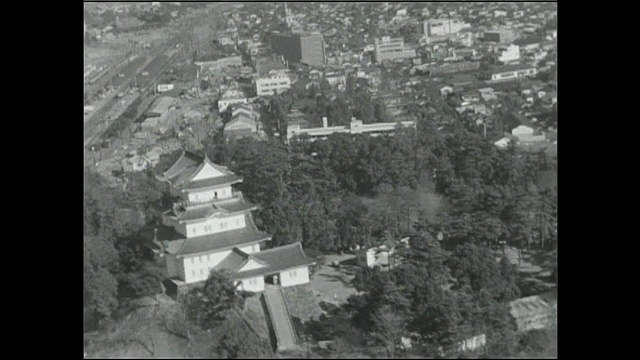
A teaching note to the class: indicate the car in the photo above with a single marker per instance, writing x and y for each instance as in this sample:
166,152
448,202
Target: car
145,74
120,75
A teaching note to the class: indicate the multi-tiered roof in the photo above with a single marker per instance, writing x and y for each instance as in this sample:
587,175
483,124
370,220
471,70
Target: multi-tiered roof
193,173
181,174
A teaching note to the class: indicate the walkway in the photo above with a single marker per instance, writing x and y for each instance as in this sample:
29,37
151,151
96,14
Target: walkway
280,319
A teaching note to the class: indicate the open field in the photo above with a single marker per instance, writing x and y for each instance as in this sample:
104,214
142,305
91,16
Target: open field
333,285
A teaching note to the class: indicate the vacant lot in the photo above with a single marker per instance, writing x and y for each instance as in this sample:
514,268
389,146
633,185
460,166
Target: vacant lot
333,285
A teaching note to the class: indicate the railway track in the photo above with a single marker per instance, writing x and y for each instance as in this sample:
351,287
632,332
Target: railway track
163,58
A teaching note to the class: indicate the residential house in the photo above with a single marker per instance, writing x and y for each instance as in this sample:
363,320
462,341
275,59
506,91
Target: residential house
503,143
446,90
535,312
378,255
241,125
526,134
488,94
231,97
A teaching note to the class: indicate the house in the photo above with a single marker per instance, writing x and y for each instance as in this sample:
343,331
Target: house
379,255
210,227
488,94
525,134
550,98
241,125
231,97
535,312
446,90
246,109
160,106
503,143
471,96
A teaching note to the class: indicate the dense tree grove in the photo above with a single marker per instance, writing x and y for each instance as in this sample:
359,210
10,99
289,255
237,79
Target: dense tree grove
117,268
334,194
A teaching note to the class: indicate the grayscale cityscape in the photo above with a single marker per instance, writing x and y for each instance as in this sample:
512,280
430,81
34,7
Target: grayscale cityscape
319,180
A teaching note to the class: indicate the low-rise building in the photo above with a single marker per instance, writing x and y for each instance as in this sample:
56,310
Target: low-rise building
241,125
231,98
355,127
512,72
535,312
509,54
526,135
272,85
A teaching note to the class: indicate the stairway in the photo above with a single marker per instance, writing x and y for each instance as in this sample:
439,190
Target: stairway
280,319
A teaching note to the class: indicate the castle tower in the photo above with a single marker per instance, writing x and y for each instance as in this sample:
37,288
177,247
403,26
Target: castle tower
210,227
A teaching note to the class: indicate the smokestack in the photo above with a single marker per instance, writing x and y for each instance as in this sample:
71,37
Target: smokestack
325,122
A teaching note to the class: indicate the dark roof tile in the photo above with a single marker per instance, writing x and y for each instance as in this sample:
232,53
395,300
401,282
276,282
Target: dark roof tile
278,259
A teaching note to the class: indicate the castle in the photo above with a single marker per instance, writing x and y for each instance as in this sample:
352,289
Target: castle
210,227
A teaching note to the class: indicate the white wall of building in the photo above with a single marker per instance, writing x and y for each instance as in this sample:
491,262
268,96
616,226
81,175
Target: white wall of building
255,284
250,249
511,53
251,265
269,86
197,268
207,172
224,104
295,276
210,195
214,226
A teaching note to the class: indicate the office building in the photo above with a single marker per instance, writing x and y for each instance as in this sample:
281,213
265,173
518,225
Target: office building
304,48
388,48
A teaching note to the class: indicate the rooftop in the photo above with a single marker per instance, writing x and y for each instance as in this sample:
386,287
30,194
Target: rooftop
278,259
189,165
233,262
221,241
509,68
534,305
207,210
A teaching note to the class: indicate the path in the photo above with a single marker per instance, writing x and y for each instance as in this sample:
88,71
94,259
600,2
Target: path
280,319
